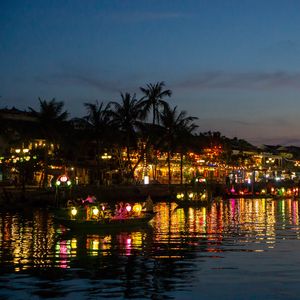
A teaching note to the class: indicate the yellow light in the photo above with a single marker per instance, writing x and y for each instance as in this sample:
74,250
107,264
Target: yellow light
18,150
106,156
137,208
73,211
191,195
25,150
263,191
95,211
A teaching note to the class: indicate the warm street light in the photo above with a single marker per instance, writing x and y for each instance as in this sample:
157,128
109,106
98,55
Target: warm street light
106,156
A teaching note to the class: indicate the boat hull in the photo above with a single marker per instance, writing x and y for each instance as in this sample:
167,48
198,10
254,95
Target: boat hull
105,224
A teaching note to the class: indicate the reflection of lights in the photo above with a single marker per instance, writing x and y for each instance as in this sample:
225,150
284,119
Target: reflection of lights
128,246
92,244
63,250
73,246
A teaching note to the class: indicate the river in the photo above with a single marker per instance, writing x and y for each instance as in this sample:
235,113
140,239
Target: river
235,249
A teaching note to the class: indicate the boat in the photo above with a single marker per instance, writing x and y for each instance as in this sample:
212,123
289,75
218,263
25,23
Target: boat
94,217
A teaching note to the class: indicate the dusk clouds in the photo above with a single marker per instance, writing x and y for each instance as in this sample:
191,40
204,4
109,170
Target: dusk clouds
244,80
233,64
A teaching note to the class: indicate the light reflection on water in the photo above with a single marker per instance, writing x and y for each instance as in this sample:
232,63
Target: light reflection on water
181,251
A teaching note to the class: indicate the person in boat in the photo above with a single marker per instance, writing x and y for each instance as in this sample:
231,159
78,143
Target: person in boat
120,211
90,199
148,205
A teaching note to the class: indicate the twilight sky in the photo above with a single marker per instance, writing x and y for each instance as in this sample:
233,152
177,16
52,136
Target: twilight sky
233,64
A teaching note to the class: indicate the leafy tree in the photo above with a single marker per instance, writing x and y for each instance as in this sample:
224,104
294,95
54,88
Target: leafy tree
127,117
52,120
100,124
175,125
153,99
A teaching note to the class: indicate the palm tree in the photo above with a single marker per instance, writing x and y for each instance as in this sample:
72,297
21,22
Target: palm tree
153,98
99,120
185,137
52,120
127,116
176,125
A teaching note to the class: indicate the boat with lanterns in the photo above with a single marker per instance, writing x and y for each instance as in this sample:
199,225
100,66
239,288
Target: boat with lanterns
102,217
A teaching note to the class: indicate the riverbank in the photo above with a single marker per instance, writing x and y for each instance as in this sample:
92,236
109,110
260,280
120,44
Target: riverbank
16,197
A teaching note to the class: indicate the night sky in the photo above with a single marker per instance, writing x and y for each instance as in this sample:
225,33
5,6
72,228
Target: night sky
233,64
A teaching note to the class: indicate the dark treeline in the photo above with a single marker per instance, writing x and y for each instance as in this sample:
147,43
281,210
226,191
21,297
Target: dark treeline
142,126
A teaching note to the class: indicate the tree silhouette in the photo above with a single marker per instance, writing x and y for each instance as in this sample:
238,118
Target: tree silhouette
127,116
153,99
52,121
176,125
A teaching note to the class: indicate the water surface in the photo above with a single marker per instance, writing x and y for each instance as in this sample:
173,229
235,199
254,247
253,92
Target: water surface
235,249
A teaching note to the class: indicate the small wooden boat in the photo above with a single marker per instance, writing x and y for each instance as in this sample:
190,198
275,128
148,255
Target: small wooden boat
92,219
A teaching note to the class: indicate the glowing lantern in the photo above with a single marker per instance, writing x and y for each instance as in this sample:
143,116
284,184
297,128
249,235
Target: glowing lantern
73,211
137,208
191,195
263,191
63,178
95,210
128,207
146,180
